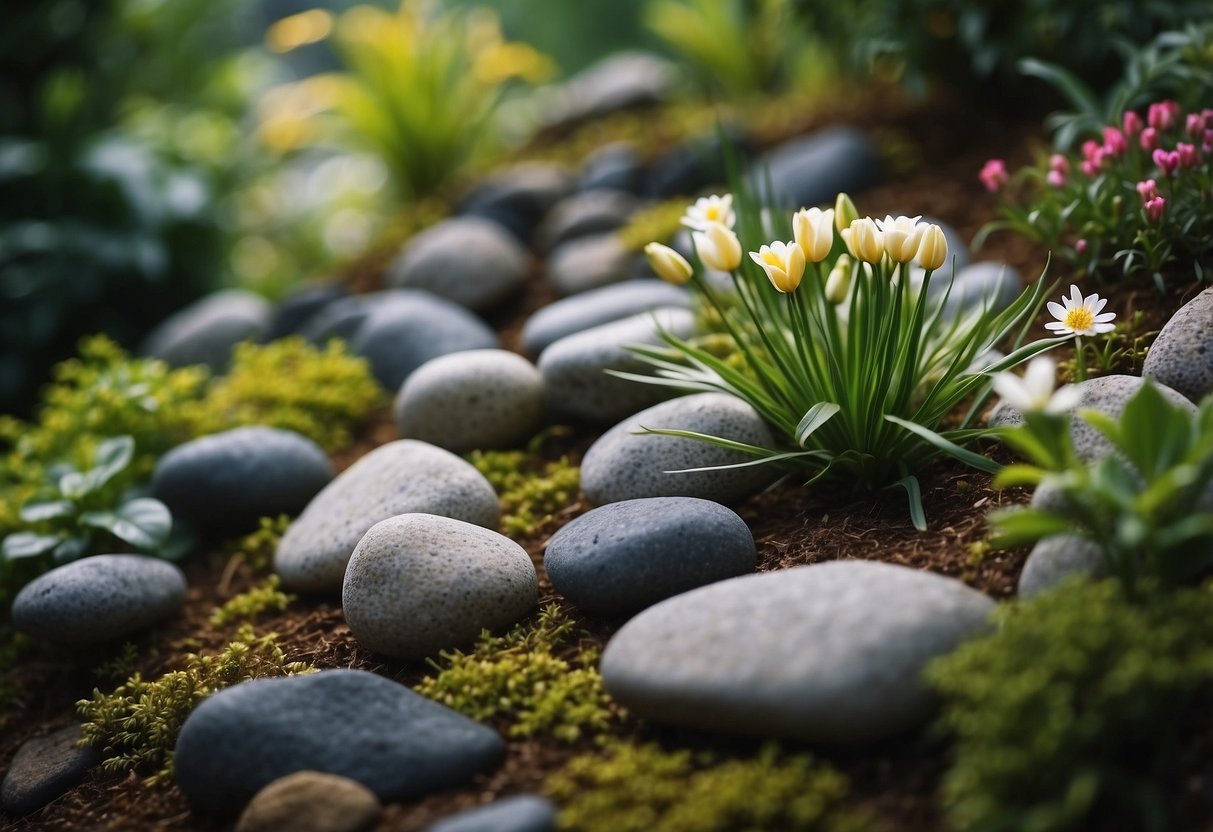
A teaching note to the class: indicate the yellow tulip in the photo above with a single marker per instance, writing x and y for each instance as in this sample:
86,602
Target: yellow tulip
783,263
718,247
864,240
838,284
814,232
844,212
667,263
933,248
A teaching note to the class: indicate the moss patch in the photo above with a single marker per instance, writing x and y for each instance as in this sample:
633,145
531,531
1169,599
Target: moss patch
531,489
264,598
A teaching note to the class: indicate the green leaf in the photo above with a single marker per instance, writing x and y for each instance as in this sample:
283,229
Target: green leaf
1154,434
73,548
814,417
74,485
144,523
968,457
914,494
1016,527
111,459
47,510
27,545
1019,475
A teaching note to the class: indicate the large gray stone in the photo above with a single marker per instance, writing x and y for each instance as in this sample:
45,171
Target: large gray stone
519,197
397,478
623,557
584,214
619,82
297,308
470,261
831,652
45,768
472,400
596,307
359,725
588,263
574,369
1057,558
625,464
98,599
418,583
207,331
617,166
521,813
812,170
1181,357
225,482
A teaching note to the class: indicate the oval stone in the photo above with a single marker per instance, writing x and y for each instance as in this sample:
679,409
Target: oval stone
1181,357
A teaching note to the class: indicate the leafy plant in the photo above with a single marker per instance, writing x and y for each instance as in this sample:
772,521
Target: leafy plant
135,727
1145,505
321,393
857,368
264,598
80,505
1069,716
534,676
532,490
641,788
1134,202
1123,350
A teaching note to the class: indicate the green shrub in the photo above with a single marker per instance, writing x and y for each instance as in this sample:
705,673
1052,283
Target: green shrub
1067,717
264,598
136,726
320,393
532,490
523,676
645,789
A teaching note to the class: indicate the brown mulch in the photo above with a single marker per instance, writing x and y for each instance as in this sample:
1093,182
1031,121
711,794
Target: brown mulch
791,526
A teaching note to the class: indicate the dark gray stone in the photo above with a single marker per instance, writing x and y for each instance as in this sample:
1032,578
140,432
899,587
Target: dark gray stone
616,166
831,652
519,197
1057,558
694,165
98,599
626,556
418,583
470,261
588,263
574,369
397,478
1181,357
399,336
625,464
45,768
293,311
207,331
521,813
596,307
814,169
377,732
586,214
622,81
226,482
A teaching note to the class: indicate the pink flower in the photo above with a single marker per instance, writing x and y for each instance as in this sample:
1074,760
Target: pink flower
1188,157
1168,162
1154,209
1149,138
1195,124
1059,162
994,175
1131,123
1114,141
1147,190
1056,178
1081,246
1096,161
1207,144
1163,115
1088,148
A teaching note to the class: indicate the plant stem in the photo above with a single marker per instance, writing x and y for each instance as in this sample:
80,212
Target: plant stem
1080,357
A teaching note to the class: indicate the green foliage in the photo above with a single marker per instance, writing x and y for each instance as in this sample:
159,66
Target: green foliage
120,666
1145,507
320,393
532,490
81,511
1123,350
135,727
645,789
264,598
1067,717
535,676
257,548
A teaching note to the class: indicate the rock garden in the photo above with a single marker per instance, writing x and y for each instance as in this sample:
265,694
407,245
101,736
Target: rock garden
668,415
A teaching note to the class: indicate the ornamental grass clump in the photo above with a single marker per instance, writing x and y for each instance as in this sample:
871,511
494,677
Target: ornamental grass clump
841,345
1134,200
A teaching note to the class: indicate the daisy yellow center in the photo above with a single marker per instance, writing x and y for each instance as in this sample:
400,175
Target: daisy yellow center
1079,318
713,213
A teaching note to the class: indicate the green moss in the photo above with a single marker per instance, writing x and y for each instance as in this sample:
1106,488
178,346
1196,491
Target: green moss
1068,716
135,727
532,490
261,599
643,788
119,666
257,548
535,676
658,223
320,393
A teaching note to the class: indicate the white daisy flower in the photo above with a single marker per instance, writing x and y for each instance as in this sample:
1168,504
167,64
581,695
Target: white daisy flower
1079,315
709,209
1034,392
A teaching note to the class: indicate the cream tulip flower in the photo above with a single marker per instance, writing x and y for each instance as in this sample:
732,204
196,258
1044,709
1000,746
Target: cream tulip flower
718,247
864,240
838,284
710,209
814,232
783,263
932,248
845,212
668,264
901,237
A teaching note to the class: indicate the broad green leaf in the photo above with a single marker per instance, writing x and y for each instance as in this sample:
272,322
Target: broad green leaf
1016,527
111,459
1019,475
27,545
73,548
814,417
1154,433
144,523
74,485
47,510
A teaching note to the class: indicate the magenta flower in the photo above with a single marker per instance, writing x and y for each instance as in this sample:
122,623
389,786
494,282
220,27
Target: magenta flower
1114,142
1154,209
1131,123
1056,178
1149,138
1163,115
1207,144
1147,190
1188,156
1195,124
1059,162
1167,161
994,175
1081,246
1088,148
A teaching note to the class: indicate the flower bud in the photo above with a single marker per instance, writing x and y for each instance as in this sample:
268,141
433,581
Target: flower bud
844,212
1147,190
718,247
1131,123
783,263
864,240
1148,138
994,175
933,249
838,284
668,264
814,232
1154,209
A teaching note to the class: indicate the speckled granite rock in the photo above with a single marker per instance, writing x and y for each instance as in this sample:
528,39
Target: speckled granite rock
206,331
596,307
1181,357
1054,559
45,768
